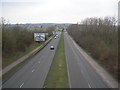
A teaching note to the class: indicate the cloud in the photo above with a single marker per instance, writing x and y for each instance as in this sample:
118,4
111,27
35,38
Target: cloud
35,11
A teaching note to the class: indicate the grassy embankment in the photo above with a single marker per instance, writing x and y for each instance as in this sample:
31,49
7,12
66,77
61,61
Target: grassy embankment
19,54
57,76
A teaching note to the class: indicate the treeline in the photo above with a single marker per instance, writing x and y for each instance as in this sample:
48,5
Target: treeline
18,39
99,37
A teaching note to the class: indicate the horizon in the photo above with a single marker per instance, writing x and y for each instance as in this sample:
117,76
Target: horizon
40,23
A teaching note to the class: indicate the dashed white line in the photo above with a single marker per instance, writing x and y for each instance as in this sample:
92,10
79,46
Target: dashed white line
33,70
21,84
89,85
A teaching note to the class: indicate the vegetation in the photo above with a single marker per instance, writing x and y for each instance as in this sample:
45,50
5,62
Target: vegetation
57,76
17,40
99,37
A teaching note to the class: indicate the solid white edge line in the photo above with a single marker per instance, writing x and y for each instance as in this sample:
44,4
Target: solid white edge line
68,73
21,84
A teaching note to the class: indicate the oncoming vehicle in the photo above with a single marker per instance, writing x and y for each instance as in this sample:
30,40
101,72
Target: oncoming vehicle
52,47
55,37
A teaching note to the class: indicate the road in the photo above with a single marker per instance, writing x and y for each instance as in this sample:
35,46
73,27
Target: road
34,72
80,72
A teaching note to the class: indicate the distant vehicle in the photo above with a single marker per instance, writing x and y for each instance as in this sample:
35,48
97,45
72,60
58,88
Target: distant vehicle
52,47
55,37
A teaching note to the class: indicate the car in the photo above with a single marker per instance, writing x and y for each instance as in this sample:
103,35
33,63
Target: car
52,47
55,37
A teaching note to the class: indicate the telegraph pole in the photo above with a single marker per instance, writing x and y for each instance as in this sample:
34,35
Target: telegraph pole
118,42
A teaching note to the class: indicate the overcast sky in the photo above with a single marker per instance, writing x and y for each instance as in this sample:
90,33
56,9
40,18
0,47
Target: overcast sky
56,11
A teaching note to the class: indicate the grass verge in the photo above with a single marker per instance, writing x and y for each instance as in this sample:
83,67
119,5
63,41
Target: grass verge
57,76
17,55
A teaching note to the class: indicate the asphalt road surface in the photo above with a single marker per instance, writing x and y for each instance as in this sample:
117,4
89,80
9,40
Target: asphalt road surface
80,72
33,73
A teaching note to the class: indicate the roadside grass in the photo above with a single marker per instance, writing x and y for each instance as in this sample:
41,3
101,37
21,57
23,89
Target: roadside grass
57,76
17,55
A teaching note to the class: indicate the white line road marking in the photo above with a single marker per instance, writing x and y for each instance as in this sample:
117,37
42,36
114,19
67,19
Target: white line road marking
21,84
89,85
33,70
68,72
